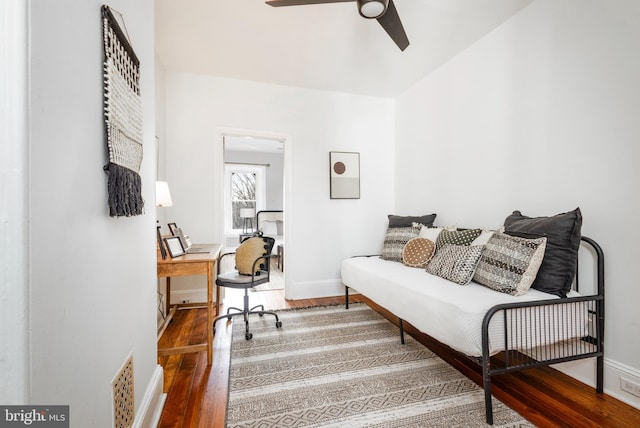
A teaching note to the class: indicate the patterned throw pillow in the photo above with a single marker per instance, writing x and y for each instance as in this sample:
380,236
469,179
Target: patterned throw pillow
418,252
395,240
457,237
510,264
456,263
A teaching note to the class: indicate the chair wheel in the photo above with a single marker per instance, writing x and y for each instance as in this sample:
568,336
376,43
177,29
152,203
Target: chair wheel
248,336
278,324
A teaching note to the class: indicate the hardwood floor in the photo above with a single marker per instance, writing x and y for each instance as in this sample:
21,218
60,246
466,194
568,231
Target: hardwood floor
197,394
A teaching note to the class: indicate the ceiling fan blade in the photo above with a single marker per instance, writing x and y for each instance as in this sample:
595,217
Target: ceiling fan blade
391,23
276,3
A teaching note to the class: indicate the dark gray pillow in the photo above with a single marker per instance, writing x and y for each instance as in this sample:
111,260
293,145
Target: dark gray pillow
563,231
407,221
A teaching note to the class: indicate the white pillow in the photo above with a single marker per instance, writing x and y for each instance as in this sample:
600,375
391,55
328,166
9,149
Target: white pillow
431,233
269,228
483,238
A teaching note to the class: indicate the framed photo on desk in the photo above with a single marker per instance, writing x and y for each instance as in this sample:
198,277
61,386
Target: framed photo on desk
163,253
174,246
173,228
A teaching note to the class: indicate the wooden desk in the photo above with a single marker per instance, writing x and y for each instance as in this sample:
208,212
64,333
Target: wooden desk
191,264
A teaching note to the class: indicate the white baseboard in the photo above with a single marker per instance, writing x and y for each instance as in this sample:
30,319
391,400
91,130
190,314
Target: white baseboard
613,372
188,296
150,410
585,371
314,289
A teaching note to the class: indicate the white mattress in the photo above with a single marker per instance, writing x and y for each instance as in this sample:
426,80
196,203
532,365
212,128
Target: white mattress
448,312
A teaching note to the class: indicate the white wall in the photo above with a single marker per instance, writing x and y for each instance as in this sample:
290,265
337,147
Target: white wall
92,277
541,115
319,232
274,180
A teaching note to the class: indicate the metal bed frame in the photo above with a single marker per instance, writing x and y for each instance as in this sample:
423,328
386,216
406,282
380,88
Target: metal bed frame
265,212
527,340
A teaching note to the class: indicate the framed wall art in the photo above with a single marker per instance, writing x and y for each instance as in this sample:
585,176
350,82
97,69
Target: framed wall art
123,119
344,175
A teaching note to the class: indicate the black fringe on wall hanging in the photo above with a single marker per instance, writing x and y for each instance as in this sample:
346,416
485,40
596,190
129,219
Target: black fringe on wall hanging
123,120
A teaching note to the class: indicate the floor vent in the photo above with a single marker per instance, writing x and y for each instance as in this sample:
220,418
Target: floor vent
123,395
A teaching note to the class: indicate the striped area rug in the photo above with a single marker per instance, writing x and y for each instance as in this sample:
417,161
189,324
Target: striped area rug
332,367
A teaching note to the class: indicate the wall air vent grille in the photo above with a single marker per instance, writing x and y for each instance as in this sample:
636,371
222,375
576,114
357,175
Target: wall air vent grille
122,386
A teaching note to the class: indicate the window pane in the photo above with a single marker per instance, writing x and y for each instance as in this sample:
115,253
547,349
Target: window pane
243,195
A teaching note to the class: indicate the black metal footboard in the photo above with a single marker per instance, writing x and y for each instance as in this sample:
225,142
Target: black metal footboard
540,333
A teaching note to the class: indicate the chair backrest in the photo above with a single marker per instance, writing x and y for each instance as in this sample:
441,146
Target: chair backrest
250,250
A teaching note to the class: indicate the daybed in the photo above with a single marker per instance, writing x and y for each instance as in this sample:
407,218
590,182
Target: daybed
523,316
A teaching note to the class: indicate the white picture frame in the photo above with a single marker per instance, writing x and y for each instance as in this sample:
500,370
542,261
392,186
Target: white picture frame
174,246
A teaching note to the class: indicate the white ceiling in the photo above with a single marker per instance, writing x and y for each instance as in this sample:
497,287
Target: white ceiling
252,144
325,46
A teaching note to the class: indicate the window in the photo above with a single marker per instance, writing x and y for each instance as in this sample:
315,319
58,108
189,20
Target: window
243,197
244,188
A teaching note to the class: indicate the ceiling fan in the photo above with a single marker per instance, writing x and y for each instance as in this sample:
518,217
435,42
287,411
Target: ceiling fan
382,10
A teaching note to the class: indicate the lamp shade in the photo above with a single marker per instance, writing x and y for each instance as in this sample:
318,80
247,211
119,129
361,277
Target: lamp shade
163,196
247,212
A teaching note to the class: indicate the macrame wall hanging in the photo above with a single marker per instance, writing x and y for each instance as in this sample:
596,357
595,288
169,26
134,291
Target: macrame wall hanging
123,120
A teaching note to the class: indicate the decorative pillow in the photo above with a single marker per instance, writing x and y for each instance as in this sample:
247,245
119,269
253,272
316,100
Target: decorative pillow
560,262
395,240
407,221
483,238
456,237
456,263
249,251
509,264
418,252
430,233
269,228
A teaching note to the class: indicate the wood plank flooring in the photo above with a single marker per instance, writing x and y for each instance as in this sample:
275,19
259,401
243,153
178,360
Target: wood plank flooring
197,393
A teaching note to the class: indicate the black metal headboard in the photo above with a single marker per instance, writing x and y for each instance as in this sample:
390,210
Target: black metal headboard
599,266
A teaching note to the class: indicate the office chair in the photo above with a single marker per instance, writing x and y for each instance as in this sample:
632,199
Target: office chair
252,268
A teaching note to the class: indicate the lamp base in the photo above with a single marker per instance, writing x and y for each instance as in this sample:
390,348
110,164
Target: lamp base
247,222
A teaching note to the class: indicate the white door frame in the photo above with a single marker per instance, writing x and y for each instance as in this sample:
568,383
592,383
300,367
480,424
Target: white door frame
221,133
14,200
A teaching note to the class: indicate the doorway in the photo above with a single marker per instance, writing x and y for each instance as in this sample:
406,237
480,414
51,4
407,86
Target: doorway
254,188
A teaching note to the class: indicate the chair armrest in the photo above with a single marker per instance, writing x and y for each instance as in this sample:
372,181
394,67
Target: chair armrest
268,270
220,259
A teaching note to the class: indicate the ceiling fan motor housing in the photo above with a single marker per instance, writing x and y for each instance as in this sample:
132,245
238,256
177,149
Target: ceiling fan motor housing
372,9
